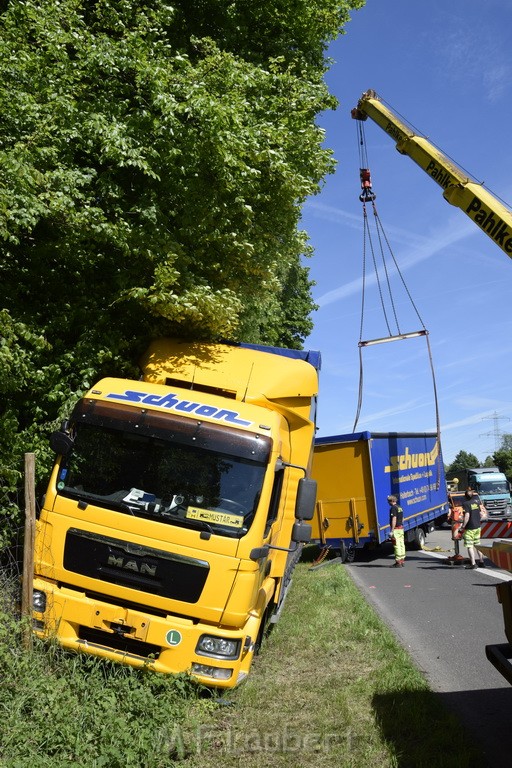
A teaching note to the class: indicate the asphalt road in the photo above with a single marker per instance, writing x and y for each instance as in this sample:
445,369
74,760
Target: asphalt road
445,615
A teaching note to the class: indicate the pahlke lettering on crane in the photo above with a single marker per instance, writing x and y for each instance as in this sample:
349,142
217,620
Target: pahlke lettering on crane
491,223
393,131
173,403
439,174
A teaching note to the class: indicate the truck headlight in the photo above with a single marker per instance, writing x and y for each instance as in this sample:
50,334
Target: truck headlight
218,647
38,601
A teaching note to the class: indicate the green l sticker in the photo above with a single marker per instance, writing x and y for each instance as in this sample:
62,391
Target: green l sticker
173,637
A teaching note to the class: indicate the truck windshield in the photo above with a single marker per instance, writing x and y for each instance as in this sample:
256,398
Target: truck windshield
177,482
492,487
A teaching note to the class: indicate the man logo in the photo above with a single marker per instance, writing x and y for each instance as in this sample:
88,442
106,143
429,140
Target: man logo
145,569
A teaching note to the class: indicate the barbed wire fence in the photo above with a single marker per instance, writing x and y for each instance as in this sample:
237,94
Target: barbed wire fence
12,545
11,567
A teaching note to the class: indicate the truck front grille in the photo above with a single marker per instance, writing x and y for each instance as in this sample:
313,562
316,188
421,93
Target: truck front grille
142,568
499,505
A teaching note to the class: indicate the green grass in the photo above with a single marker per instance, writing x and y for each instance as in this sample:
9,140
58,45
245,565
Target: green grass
330,687
60,710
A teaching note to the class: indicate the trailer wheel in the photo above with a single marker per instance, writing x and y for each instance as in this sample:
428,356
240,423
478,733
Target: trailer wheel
419,538
351,554
347,554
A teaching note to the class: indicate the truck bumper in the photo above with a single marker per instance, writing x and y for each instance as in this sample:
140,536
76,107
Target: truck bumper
500,657
164,643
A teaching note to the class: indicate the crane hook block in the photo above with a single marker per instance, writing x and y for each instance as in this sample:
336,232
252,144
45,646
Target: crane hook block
367,194
358,114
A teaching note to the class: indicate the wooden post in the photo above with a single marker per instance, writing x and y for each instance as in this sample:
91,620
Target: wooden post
28,548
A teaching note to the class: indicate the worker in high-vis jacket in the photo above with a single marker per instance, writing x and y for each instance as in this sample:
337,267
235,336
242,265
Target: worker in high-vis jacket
396,523
474,513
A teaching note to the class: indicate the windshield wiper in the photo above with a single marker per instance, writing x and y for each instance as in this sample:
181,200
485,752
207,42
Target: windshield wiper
201,524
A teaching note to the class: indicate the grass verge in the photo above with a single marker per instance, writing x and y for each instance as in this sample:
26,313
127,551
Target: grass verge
331,687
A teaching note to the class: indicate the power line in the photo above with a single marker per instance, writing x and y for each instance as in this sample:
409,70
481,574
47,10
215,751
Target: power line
498,434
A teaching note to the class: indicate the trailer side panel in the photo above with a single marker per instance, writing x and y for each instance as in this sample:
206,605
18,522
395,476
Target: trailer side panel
357,472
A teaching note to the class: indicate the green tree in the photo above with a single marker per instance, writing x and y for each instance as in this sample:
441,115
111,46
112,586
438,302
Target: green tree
503,460
506,442
463,460
154,159
503,457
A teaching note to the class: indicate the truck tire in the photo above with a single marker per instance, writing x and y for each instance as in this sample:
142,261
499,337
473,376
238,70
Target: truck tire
260,637
351,554
419,538
264,630
347,554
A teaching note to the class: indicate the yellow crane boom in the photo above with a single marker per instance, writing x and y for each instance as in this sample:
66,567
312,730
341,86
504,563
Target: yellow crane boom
491,215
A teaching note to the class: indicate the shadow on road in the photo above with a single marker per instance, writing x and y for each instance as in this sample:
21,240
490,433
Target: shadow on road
452,737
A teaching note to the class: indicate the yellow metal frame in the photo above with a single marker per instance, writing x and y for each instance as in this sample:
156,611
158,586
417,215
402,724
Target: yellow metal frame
482,207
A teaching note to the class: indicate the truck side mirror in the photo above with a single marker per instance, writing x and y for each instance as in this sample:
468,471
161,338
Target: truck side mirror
306,499
301,532
258,553
61,442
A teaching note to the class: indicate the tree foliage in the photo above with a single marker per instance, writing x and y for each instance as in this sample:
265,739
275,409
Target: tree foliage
506,442
503,456
463,460
502,459
153,163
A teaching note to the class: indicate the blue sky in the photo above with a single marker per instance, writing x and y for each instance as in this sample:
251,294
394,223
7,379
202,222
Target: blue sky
446,67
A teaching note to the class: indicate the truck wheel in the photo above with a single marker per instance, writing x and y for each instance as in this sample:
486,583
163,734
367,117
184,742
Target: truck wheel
351,554
263,631
347,553
419,538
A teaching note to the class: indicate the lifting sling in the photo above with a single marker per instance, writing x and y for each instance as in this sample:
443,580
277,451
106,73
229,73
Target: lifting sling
395,333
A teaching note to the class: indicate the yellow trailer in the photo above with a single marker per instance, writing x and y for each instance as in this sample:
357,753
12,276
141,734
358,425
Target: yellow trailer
355,473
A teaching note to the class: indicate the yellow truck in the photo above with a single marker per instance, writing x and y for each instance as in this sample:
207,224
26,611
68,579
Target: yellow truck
176,509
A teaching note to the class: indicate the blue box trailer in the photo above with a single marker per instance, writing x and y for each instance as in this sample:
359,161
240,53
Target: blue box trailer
356,473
